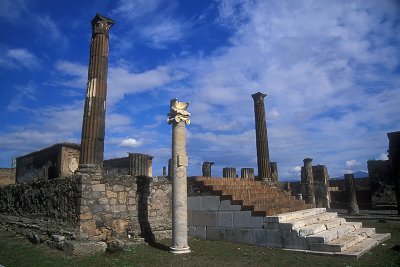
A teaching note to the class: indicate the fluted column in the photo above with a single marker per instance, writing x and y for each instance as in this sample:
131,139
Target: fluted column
274,172
93,125
229,172
178,117
307,181
247,173
261,137
206,168
352,206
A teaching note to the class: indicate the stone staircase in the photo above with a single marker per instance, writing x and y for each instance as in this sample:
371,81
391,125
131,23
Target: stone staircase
277,220
261,199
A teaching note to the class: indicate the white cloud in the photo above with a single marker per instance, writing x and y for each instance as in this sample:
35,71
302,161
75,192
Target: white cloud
12,10
130,142
350,164
19,58
383,156
51,30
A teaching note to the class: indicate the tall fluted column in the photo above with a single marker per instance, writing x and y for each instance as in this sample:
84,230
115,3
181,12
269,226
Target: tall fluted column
352,206
93,126
261,137
307,181
178,117
394,157
206,168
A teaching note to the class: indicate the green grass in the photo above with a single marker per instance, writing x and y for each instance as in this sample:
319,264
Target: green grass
17,251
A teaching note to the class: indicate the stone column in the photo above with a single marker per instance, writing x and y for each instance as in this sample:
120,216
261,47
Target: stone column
170,168
352,206
261,137
140,164
307,182
247,173
93,126
321,186
394,158
164,171
274,172
229,172
178,117
206,168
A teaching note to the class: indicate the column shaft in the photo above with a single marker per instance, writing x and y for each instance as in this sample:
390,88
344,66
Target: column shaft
352,206
261,137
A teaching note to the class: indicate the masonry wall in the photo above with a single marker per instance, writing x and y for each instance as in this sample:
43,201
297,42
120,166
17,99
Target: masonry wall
7,176
49,206
125,206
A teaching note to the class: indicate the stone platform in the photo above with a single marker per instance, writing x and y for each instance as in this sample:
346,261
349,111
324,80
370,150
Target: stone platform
248,212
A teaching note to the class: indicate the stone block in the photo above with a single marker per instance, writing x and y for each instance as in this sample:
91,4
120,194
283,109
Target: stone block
118,188
291,239
227,206
58,238
210,203
85,216
204,218
225,218
267,237
83,248
88,227
215,233
244,219
122,197
103,200
99,188
194,203
239,235
197,231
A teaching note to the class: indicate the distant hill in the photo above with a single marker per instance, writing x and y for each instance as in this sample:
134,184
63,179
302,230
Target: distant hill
357,174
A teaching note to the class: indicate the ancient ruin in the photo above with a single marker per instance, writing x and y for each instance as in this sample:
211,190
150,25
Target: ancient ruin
178,117
307,182
206,168
263,163
93,126
352,206
229,172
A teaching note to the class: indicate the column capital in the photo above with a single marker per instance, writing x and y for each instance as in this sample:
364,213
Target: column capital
178,112
258,97
101,24
307,160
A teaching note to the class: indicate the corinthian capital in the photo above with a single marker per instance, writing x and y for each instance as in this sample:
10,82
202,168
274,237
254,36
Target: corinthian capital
101,24
178,112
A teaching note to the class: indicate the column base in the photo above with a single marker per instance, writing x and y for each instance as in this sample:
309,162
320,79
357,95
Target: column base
180,250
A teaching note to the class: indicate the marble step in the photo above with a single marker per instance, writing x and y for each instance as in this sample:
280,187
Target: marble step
290,216
315,228
313,219
339,244
364,245
337,232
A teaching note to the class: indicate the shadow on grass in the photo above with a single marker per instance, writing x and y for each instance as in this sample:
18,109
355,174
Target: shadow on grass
159,246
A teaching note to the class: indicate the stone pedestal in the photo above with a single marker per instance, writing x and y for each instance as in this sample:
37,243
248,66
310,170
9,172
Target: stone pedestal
352,206
229,172
93,125
307,182
247,173
206,168
261,137
178,117
394,158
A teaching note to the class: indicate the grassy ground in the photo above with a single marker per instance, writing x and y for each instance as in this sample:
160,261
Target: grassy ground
17,251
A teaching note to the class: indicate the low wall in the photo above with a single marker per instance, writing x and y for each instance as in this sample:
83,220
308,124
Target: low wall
7,176
125,206
49,206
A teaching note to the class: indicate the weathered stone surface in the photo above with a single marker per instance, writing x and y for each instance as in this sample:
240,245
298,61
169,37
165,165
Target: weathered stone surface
115,245
83,248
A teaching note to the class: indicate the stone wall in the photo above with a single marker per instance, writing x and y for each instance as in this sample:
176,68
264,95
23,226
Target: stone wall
49,206
381,182
7,176
125,206
59,160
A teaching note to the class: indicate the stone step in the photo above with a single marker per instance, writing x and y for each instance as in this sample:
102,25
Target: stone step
364,245
367,232
284,217
313,229
313,219
334,233
339,244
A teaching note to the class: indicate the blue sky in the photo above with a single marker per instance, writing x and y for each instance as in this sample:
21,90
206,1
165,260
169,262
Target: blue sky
330,70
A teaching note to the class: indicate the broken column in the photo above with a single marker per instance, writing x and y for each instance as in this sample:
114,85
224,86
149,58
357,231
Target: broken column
352,206
261,137
274,172
93,126
247,173
229,172
394,158
140,165
321,186
307,182
164,171
178,117
206,168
